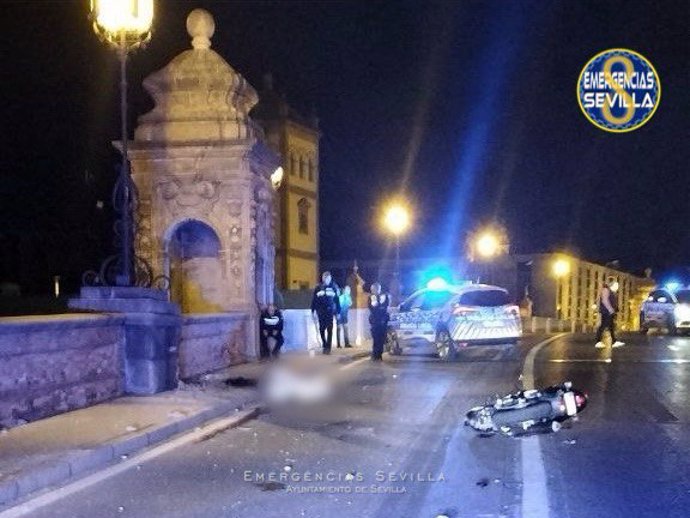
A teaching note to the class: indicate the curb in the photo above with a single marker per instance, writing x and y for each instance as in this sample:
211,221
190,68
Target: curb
79,463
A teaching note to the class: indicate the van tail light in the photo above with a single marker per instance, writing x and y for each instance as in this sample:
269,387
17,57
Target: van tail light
463,311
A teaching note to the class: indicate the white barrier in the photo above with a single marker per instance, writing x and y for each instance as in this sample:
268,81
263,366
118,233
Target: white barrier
301,332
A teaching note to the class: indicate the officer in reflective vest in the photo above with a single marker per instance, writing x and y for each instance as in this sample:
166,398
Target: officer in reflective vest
378,319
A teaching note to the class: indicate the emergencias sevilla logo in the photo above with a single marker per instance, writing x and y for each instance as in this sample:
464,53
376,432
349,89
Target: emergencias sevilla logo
618,90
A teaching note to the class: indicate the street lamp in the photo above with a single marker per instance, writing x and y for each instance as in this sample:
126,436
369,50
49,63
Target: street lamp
485,245
277,178
488,245
560,269
396,219
124,25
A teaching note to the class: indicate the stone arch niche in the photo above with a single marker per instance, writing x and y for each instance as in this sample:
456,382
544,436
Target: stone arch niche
195,267
201,165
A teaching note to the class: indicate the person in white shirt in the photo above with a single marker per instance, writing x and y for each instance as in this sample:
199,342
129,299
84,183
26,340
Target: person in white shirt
608,307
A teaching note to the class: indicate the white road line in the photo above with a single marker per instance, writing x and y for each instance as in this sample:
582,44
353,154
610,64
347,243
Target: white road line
535,496
30,506
609,360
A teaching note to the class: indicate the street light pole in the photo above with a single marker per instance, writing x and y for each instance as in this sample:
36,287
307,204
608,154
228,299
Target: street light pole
125,205
396,220
124,26
396,275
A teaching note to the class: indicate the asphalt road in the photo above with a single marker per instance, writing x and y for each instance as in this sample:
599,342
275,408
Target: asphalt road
394,446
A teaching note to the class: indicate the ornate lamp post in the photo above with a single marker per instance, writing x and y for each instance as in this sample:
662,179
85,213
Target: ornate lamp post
125,25
396,220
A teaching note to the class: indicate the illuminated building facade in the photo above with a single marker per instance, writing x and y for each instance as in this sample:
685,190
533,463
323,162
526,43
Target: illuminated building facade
566,287
296,139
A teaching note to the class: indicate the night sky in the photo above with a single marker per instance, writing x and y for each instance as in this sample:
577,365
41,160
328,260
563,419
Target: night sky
468,108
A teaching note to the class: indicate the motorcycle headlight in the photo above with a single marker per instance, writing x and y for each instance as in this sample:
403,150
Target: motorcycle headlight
682,312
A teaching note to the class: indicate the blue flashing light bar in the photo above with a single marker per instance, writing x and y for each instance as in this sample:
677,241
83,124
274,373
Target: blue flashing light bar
437,284
672,286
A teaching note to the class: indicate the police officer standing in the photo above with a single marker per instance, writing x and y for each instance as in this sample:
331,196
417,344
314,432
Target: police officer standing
325,305
378,319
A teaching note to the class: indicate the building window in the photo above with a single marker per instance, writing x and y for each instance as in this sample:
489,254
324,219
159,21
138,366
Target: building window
293,164
311,170
303,207
301,167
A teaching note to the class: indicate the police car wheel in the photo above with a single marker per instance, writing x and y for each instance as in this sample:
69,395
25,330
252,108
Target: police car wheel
445,347
671,325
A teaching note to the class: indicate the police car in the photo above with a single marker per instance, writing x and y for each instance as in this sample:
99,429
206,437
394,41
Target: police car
668,308
449,317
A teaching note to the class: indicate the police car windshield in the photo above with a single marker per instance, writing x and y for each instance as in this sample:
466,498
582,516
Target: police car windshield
683,296
484,298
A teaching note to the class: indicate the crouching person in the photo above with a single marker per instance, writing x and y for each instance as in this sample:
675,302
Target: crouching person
271,326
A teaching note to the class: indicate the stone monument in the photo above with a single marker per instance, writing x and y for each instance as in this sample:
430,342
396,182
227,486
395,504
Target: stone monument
203,171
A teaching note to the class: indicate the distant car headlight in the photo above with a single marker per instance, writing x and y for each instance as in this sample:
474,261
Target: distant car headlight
682,312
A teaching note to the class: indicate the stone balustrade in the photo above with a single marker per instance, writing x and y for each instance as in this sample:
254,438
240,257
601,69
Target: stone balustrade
50,365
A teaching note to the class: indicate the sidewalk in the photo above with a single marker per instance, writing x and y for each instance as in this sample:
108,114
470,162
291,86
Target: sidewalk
50,451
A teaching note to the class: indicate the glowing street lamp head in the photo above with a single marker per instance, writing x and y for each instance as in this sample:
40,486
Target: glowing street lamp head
561,267
488,245
277,177
118,21
396,219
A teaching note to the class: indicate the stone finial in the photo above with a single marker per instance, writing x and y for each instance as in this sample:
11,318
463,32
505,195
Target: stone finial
200,26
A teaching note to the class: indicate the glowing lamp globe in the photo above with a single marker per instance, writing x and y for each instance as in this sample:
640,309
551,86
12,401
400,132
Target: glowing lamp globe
396,219
488,245
277,177
123,23
561,267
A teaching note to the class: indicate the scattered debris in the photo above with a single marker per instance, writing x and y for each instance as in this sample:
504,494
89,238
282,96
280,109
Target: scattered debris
241,381
120,509
483,482
131,428
570,441
176,414
124,456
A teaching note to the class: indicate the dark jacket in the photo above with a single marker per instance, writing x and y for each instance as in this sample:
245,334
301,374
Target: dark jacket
378,309
271,323
612,298
326,300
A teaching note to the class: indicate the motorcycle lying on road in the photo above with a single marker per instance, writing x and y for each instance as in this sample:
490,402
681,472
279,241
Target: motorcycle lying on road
528,411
